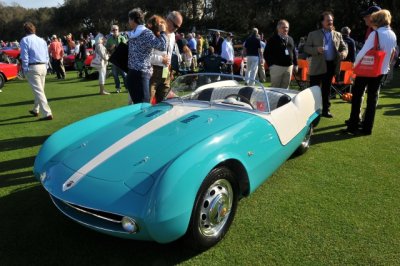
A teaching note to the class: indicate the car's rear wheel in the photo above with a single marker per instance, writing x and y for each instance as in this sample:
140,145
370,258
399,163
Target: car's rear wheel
2,80
214,209
305,144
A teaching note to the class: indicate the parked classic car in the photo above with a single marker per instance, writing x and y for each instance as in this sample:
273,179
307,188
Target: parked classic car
9,69
69,60
11,52
178,168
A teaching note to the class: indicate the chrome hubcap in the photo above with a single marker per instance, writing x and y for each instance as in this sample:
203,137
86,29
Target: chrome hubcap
216,207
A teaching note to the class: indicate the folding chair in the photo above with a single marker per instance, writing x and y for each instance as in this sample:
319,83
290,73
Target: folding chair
302,77
344,81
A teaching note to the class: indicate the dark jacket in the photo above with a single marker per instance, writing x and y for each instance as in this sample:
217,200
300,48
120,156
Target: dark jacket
351,47
275,53
212,63
81,56
252,45
217,45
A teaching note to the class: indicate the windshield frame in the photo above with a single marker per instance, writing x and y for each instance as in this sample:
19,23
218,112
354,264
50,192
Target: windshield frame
175,93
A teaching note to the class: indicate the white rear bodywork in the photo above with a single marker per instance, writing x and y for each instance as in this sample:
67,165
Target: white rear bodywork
292,117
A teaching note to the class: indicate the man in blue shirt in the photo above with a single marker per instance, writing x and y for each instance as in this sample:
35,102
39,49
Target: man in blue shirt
35,57
192,44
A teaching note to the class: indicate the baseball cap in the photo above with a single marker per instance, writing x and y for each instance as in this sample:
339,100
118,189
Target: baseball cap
370,10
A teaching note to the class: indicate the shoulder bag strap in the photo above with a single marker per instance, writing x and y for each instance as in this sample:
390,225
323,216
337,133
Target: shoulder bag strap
376,44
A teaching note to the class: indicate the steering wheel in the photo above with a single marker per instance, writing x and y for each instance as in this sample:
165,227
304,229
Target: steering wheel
240,98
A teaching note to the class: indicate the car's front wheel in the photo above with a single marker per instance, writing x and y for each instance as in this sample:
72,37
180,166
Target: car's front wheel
214,209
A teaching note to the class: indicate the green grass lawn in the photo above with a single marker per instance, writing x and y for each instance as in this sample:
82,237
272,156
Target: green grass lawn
337,204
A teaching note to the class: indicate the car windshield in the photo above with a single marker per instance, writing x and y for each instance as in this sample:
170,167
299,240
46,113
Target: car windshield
221,89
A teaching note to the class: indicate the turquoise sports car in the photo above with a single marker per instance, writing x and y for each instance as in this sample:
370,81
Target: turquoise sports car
176,169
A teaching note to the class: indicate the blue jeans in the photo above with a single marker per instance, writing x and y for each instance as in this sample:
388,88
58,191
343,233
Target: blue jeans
138,83
116,71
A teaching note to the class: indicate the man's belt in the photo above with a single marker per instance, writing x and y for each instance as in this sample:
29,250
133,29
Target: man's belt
36,63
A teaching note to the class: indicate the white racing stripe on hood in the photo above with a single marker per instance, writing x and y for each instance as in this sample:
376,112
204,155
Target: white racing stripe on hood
174,114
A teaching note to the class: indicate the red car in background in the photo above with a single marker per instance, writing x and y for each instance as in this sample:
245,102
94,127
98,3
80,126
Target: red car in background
69,60
11,52
8,71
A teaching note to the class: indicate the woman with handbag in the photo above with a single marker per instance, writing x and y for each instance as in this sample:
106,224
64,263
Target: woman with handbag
370,74
100,62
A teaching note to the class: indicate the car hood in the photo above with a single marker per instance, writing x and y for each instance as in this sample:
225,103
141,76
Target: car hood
138,147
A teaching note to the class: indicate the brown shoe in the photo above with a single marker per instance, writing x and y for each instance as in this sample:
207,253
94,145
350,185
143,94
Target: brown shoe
50,117
33,113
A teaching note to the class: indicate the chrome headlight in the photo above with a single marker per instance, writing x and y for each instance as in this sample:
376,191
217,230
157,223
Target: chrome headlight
129,225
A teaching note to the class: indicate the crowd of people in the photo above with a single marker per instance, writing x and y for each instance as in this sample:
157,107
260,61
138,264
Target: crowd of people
155,49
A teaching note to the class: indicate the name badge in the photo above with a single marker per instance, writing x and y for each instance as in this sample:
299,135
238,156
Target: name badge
326,47
165,72
286,52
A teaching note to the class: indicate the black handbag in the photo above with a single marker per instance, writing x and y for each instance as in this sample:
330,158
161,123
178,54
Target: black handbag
120,57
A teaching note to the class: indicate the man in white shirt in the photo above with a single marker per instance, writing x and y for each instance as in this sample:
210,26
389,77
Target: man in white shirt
160,81
227,53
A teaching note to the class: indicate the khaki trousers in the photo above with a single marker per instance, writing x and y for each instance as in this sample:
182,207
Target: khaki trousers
36,77
280,76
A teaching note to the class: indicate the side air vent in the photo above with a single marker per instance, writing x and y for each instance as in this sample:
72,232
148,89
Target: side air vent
153,113
189,119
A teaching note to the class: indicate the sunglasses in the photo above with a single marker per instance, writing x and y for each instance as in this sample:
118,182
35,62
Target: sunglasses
173,23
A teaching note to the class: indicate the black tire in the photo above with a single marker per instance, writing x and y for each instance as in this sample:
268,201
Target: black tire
2,80
218,195
305,144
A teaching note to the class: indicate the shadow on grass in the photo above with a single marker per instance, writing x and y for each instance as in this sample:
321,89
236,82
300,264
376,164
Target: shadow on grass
21,122
323,137
389,93
32,226
23,117
390,109
15,179
21,143
50,99
17,164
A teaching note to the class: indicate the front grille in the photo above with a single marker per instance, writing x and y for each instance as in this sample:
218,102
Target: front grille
111,217
99,220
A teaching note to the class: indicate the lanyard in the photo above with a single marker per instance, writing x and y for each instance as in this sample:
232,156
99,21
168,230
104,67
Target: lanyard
284,40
